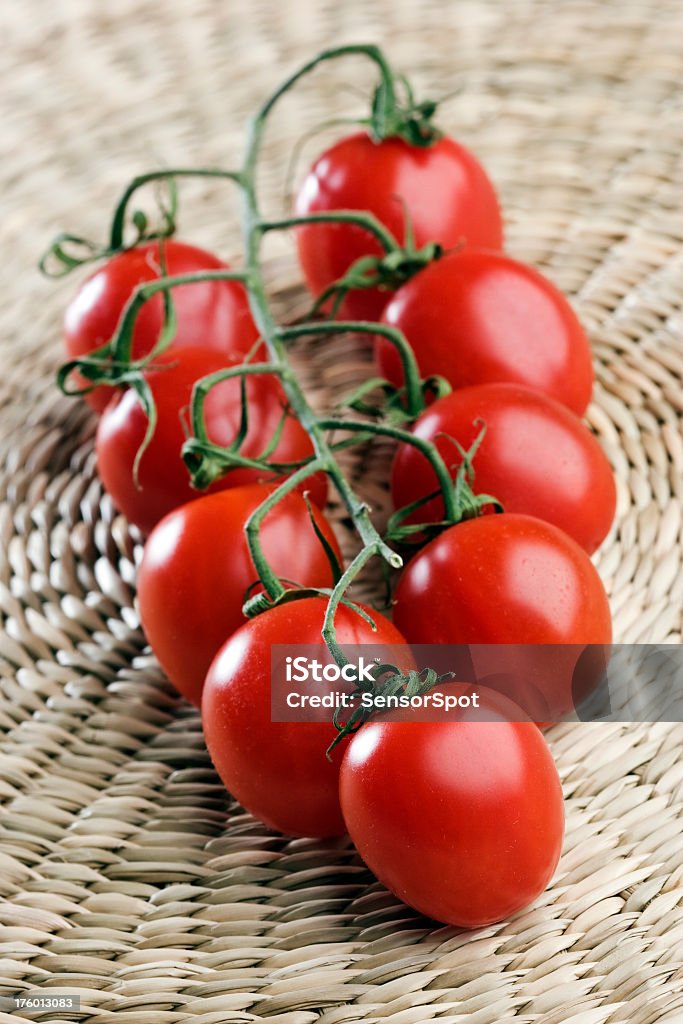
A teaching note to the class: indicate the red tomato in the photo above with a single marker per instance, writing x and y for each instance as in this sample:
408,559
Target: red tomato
163,479
535,457
482,318
511,580
278,770
504,579
463,820
442,188
196,570
214,314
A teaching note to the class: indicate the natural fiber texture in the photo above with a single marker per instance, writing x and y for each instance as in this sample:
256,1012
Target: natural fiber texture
127,874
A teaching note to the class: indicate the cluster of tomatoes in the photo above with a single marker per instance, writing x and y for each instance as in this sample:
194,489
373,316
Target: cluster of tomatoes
462,819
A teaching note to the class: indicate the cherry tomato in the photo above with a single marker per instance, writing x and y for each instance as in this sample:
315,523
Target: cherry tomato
442,189
463,820
196,570
214,314
163,480
482,318
278,770
535,457
511,580
502,579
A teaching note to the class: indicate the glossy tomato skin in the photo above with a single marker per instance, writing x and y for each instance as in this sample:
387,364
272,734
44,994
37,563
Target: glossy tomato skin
512,580
447,195
278,770
214,314
163,479
536,457
196,570
483,318
503,579
461,819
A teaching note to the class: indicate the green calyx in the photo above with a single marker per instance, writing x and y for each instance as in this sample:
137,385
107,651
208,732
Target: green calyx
463,504
397,265
387,272
388,681
391,118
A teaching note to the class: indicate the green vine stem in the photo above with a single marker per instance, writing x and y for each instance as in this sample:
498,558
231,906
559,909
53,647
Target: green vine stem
206,384
389,117
429,450
271,582
113,362
276,338
360,218
329,633
118,224
415,401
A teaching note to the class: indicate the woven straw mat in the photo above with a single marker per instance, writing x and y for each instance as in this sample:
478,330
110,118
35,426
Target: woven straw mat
127,874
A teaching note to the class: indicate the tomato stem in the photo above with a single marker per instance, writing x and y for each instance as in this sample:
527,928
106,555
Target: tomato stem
122,343
415,402
329,633
112,364
205,385
118,224
272,583
360,218
428,449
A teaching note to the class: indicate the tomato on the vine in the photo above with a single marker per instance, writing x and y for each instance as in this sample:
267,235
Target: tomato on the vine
163,480
482,318
512,580
535,457
196,571
441,189
461,819
278,770
214,314
502,579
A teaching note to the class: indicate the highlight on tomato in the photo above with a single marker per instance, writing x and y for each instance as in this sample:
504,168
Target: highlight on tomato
197,571
463,820
478,317
441,190
535,457
213,314
162,482
278,770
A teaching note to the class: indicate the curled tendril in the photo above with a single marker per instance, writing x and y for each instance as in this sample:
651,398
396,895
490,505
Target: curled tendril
67,252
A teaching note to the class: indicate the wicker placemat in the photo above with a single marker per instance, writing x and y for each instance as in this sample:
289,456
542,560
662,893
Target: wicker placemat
126,874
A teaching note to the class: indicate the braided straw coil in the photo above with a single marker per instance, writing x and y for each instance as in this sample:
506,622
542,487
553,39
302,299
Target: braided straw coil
126,873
